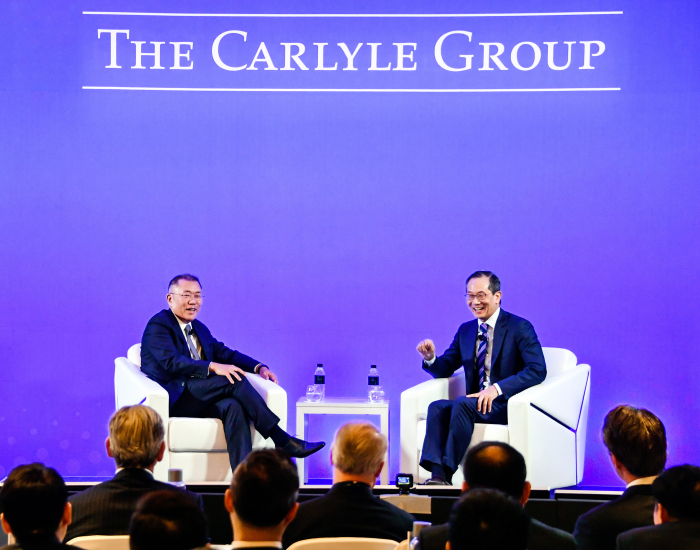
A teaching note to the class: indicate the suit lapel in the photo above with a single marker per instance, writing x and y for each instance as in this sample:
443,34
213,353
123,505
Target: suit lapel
499,336
471,342
176,327
204,340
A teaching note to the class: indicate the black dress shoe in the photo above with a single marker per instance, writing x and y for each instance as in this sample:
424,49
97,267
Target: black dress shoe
298,448
437,480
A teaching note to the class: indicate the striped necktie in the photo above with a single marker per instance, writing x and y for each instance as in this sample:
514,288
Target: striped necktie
190,343
481,353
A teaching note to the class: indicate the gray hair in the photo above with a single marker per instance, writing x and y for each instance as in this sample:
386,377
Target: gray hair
358,448
135,436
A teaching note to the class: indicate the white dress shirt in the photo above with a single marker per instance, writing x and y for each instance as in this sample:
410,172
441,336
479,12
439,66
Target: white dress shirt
491,324
642,481
183,326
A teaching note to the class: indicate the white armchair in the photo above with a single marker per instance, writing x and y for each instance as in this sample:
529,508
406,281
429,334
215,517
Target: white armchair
194,445
546,423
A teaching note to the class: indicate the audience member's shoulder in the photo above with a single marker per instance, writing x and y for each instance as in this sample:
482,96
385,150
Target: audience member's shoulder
543,536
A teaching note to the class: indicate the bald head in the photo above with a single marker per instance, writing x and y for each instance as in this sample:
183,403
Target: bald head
495,465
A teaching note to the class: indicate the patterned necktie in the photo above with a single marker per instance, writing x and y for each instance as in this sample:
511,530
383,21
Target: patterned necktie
481,353
190,343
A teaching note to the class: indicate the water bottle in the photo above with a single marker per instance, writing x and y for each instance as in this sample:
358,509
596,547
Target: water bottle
372,381
320,380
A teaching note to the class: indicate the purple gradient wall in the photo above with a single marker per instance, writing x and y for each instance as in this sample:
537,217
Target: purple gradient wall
339,227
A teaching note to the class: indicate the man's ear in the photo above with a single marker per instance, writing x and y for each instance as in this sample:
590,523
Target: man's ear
108,446
67,515
465,486
660,514
379,471
526,493
161,451
291,514
447,545
5,525
228,501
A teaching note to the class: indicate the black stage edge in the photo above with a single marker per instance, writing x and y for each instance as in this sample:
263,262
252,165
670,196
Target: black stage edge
558,508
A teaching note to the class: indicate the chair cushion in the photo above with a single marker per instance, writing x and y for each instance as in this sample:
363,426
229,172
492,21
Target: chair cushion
196,435
482,432
134,355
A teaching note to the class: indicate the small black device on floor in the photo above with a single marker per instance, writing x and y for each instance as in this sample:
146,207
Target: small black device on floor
404,482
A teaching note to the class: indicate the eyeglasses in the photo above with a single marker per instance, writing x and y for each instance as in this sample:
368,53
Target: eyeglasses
187,296
481,296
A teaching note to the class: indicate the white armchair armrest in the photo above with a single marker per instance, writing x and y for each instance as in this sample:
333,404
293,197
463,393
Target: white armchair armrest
414,405
274,396
547,425
134,388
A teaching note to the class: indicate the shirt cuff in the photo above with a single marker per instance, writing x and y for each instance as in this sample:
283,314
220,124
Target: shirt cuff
256,369
431,361
498,389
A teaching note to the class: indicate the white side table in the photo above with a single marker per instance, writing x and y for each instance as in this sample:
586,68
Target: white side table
342,405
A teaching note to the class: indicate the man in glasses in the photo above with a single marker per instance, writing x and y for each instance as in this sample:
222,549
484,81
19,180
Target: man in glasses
501,356
206,379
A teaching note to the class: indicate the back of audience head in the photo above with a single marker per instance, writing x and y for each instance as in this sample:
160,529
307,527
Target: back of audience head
263,494
636,440
34,504
677,494
167,520
496,465
136,437
358,452
487,519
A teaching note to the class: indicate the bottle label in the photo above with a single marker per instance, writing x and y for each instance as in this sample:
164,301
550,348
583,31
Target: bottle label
319,379
373,380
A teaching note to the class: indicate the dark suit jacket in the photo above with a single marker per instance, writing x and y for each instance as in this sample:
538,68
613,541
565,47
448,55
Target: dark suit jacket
106,509
542,537
166,358
517,361
598,529
348,510
678,535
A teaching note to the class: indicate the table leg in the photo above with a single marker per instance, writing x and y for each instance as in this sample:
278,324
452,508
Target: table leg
302,425
384,429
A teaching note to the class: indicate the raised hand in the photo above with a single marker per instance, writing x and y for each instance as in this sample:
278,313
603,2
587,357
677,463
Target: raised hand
427,349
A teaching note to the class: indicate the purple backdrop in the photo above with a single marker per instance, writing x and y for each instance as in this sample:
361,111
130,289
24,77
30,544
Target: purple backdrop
339,227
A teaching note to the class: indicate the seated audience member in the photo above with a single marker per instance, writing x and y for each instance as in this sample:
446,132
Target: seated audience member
35,509
494,465
487,519
676,515
262,499
167,520
136,443
636,441
350,509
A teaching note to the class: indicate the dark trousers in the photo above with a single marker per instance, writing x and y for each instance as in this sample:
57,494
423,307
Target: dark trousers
449,428
236,405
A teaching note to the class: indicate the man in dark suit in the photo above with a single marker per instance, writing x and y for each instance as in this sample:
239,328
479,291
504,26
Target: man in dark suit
487,519
350,509
35,508
676,515
262,499
636,441
168,520
501,356
495,465
206,379
136,443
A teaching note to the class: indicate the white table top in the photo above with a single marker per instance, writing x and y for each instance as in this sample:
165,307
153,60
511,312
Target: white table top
346,402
